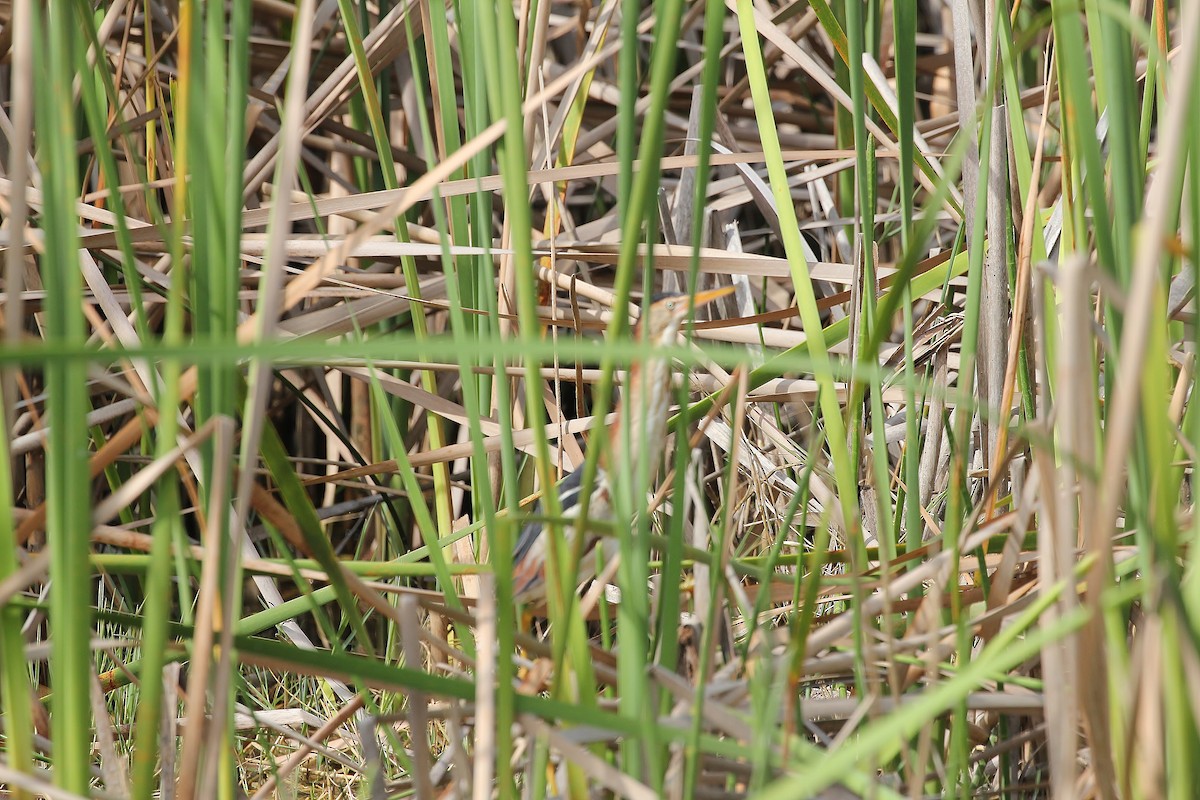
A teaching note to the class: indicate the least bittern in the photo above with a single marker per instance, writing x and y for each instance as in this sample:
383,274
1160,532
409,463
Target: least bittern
641,424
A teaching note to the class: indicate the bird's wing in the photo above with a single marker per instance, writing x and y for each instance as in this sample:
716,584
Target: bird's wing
568,489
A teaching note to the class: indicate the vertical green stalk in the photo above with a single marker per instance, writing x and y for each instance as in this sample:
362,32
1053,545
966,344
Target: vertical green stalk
905,46
476,35
1115,71
672,570
223,140
67,479
216,203
905,24
957,503
864,205
1081,146
1022,160
1190,537
156,609
1191,575
504,84
167,526
14,671
499,45
452,227
843,120
866,177
629,488
15,680
628,79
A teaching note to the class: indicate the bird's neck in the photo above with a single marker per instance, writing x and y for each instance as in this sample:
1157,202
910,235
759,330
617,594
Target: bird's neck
640,433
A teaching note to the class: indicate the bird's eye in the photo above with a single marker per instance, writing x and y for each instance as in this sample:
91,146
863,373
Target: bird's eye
671,306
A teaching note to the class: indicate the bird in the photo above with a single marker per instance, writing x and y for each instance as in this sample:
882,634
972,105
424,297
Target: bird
642,411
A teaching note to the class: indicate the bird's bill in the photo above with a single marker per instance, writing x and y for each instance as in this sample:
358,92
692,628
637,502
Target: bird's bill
712,294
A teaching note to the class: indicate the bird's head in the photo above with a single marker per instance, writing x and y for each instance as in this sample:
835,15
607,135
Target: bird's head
662,319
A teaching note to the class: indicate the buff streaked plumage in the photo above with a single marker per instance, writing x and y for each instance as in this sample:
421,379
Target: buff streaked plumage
642,413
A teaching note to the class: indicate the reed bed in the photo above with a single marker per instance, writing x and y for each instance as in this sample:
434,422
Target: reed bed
305,303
